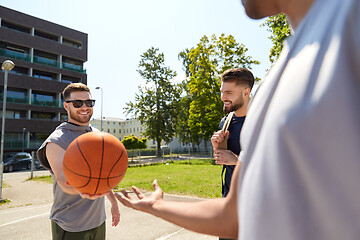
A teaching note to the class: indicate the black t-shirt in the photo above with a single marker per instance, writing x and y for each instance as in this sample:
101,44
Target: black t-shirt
233,144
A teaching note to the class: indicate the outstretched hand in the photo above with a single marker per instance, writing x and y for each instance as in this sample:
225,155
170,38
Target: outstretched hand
143,203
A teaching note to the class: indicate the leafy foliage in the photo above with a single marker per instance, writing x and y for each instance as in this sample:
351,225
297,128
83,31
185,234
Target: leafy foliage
280,29
203,66
154,105
133,142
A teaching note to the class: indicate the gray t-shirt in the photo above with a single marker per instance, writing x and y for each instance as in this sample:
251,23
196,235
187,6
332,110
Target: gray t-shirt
300,177
71,212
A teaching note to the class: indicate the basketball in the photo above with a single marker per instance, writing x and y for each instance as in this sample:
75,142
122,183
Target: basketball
95,162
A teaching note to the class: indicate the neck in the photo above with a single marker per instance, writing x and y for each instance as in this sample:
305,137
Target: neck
295,10
78,123
241,112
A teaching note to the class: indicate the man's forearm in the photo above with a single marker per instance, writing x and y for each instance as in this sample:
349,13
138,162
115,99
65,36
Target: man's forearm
196,217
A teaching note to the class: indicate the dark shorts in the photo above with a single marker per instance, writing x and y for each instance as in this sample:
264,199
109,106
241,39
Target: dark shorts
97,233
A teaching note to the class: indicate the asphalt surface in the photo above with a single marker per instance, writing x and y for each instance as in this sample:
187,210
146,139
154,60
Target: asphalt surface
26,216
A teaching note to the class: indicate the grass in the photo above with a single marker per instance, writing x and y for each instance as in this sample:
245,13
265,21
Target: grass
47,179
199,179
5,185
4,201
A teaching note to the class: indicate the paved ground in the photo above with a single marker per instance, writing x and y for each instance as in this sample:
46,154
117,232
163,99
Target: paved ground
27,215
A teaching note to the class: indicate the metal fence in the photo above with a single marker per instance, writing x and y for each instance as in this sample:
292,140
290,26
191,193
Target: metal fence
148,156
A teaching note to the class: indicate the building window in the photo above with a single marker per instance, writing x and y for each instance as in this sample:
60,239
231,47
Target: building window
14,51
14,26
14,114
72,43
15,95
108,131
43,115
45,58
119,130
36,139
44,75
20,70
45,35
43,99
72,64
70,79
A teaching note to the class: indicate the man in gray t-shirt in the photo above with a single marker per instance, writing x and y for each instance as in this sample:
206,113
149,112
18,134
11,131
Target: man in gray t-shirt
74,215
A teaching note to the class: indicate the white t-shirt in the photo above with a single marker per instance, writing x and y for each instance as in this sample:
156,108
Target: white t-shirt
300,177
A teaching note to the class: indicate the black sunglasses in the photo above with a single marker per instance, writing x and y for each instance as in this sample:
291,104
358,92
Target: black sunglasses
79,103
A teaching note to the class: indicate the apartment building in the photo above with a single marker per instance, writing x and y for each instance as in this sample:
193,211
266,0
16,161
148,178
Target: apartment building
122,127
47,58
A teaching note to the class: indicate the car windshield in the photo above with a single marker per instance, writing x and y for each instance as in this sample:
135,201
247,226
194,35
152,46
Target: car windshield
22,155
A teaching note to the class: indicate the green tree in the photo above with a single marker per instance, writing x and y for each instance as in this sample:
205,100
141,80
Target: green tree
280,30
155,103
203,66
132,142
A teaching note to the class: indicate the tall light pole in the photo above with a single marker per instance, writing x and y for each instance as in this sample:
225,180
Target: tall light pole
23,141
6,66
101,106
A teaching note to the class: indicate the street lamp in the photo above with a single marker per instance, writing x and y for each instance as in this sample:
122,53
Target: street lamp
23,141
101,106
6,66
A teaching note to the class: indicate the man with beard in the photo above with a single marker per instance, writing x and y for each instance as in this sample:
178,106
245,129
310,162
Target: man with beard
236,85
74,215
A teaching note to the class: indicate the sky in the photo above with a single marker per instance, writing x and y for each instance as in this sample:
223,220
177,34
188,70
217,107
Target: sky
119,31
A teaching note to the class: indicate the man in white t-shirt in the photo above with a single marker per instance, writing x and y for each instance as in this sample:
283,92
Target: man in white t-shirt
300,142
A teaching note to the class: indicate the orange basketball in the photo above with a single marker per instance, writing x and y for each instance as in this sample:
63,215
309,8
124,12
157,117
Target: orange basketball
95,162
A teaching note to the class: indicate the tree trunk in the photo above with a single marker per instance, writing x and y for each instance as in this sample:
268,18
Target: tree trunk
158,147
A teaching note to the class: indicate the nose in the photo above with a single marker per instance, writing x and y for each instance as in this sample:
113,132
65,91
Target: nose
84,105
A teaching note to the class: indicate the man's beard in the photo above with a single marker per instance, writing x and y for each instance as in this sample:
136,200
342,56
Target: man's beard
238,104
74,116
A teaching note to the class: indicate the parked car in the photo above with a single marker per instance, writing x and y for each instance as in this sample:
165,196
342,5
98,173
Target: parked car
37,164
16,161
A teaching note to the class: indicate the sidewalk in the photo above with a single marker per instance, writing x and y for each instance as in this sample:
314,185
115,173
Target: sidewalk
30,205
23,193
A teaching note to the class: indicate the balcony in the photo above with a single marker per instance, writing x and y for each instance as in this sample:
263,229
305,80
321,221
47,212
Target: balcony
14,55
40,60
45,103
46,61
13,144
73,67
14,99
18,144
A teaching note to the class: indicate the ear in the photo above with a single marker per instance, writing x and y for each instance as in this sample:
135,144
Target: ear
65,106
247,92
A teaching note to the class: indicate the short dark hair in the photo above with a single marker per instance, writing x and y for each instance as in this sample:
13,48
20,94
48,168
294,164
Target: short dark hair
74,87
240,76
